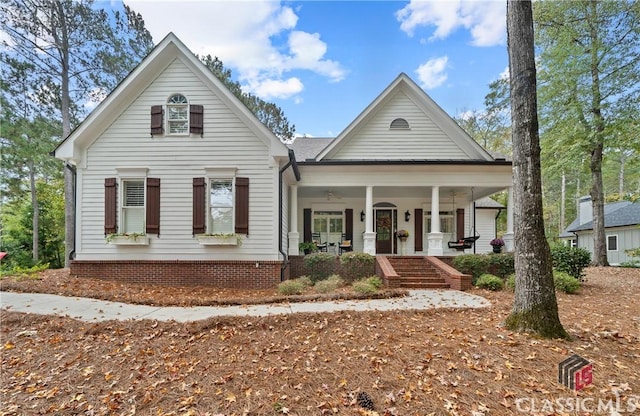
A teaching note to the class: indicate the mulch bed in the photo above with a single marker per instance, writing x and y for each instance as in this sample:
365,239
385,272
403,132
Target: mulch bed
440,362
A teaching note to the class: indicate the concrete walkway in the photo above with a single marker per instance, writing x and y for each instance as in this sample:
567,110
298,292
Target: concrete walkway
93,310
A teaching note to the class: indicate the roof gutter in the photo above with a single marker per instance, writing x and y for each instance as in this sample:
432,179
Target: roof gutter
312,162
291,163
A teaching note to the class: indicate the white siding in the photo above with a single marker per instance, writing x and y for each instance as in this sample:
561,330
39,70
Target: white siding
227,142
486,224
424,140
628,238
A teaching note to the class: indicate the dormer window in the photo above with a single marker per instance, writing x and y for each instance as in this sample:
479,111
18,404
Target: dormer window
399,124
178,114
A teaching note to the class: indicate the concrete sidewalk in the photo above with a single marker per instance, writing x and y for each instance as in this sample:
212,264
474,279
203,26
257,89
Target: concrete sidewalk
93,310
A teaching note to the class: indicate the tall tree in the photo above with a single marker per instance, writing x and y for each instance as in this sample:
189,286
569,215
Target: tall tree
535,308
79,52
269,114
590,76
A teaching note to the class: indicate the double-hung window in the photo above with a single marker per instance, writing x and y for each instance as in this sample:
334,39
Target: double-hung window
132,203
221,206
612,243
178,114
220,203
133,208
446,221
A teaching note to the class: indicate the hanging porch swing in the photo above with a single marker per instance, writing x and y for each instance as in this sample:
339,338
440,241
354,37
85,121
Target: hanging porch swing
465,242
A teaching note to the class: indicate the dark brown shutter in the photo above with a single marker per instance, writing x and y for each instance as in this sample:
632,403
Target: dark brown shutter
417,228
153,206
348,224
156,119
306,218
110,205
196,119
460,224
242,205
199,206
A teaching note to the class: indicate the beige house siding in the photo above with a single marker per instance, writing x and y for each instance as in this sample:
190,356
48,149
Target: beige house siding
176,160
374,140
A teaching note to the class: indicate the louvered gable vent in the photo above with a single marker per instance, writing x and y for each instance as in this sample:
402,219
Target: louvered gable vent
399,124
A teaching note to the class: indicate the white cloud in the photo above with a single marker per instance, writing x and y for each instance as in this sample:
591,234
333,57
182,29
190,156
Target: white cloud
256,39
273,88
432,73
485,20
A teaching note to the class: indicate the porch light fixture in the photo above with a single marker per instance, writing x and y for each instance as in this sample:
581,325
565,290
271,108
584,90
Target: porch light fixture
407,216
361,216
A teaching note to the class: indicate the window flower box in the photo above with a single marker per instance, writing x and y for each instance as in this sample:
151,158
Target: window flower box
219,239
128,239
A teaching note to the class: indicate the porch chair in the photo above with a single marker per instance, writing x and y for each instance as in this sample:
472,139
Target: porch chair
317,240
345,245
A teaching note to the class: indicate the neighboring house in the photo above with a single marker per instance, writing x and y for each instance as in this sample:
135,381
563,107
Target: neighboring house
622,229
178,182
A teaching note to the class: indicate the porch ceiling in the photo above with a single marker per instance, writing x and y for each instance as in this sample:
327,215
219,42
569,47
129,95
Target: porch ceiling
388,192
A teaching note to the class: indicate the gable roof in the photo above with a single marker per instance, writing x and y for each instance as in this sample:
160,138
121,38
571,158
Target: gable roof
403,84
616,214
168,50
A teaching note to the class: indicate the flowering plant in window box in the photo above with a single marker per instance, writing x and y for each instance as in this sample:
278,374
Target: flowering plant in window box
497,242
128,239
402,234
219,239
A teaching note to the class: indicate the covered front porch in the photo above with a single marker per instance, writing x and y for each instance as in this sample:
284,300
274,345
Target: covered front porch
436,216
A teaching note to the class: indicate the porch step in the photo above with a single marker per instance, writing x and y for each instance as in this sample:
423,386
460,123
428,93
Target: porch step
415,273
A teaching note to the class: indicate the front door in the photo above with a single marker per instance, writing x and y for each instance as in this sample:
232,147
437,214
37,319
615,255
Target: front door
384,231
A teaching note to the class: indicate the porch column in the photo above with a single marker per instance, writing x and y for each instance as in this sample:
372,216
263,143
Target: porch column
435,236
294,235
369,236
508,236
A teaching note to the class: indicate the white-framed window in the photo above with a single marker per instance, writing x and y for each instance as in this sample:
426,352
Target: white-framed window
446,222
329,224
612,243
221,206
178,114
132,207
573,242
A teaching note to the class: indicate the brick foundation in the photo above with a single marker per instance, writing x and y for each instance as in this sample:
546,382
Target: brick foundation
218,273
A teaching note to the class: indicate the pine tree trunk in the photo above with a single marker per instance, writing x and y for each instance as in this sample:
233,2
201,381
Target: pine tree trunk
597,149
61,37
535,307
35,225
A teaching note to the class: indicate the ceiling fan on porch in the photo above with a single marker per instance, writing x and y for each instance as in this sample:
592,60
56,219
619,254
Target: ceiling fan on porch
331,194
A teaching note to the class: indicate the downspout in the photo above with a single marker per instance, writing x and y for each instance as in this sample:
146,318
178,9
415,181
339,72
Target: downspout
72,253
296,172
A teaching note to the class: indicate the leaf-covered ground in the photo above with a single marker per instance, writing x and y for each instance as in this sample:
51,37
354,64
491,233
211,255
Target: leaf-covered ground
459,362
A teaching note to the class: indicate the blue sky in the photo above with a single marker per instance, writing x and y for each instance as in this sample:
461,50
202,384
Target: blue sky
323,62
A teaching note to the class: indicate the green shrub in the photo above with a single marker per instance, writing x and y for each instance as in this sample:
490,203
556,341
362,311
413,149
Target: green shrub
336,279
375,281
364,287
354,265
319,266
634,264
501,265
305,280
326,286
473,264
571,260
490,282
22,273
510,282
565,282
291,287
